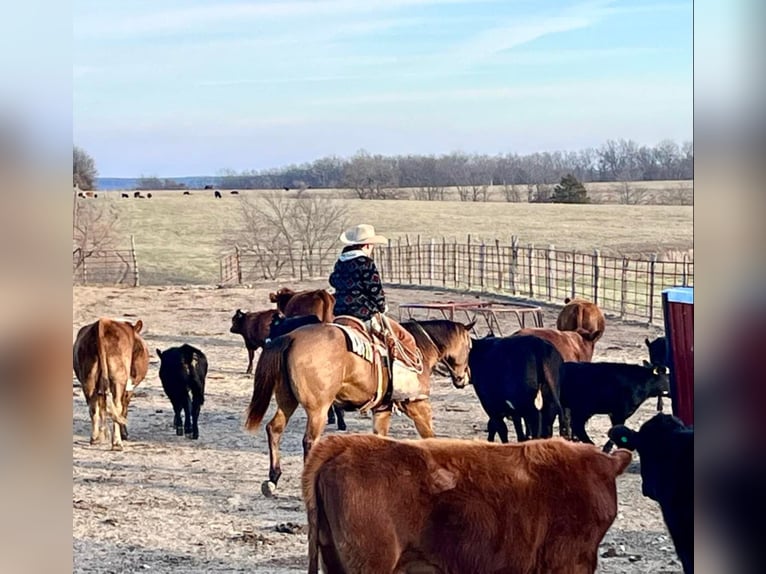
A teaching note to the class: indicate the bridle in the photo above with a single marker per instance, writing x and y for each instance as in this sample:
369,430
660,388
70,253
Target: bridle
453,374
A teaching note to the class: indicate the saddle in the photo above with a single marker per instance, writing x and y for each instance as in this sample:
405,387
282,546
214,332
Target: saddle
379,345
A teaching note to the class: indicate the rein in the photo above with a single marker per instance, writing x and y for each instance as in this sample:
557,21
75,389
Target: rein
452,372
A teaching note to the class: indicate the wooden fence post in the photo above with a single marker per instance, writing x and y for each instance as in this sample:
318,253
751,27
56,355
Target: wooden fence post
455,261
470,260
419,260
482,264
431,250
239,264
514,266
574,272
133,256
623,287
409,259
683,272
530,269
499,255
300,262
550,256
444,261
596,274
652,262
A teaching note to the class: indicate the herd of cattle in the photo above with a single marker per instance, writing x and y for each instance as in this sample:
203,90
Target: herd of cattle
139,195
464,506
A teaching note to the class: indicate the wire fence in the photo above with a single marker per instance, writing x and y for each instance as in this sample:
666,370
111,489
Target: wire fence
628,287
105,267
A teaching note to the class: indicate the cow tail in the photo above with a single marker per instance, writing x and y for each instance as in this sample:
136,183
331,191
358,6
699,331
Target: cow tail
103,386
549,372
271,369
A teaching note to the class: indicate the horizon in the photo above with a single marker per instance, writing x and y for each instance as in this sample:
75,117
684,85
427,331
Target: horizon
263,85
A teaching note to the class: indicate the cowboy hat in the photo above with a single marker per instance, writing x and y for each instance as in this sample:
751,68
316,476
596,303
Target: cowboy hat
361,234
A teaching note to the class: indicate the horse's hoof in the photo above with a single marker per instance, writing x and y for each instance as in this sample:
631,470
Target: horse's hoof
268,488
117,447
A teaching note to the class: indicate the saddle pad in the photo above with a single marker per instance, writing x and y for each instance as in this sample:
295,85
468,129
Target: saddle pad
406,384
356,343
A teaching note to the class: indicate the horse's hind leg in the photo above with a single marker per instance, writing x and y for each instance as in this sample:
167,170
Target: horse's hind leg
421,414
286,405
314,427
381,422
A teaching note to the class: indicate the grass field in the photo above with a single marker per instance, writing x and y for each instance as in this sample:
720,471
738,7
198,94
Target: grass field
179,239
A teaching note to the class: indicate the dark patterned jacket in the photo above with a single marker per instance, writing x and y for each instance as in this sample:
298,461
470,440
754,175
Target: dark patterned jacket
358,290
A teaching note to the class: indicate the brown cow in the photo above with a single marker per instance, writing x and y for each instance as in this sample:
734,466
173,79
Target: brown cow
317,302
254,328
581,314
453,506
572,345
110,359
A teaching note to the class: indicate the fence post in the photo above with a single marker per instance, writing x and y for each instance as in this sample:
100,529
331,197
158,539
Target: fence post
399,259
239,265
455,260
596,274
135,261
623,287
409,259
652,262
431,250
574,272
482,264
444,261
499,252
419,260
549,255
470,260
683,272
300,262
513,268
530,269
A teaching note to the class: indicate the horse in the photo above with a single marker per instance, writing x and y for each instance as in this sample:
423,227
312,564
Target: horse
312,366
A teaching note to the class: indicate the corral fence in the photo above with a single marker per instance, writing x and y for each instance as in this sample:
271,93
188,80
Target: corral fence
629,287
105,266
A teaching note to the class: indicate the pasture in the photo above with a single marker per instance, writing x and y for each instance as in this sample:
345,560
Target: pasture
169,504
179,239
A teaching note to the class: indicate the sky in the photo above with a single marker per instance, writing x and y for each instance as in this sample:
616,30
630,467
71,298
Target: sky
190,87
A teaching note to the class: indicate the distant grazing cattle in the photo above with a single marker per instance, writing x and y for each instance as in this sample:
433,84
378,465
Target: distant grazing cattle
287,189
80,194
217,194
281,325
89,194
573,345
234,192
581,314
206,187
148,195
614,389
189,193
182,372
666,450
517,378
110,359
658,351
376,504
317,302
254,328
124,195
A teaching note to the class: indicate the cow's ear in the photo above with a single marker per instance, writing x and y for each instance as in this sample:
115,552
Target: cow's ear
159,353
624,437
138,326
273,297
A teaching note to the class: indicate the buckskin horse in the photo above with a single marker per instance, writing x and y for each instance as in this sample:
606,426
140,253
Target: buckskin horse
313,367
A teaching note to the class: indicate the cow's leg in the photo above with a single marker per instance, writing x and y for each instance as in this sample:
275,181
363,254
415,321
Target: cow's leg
340,416
250,355
381,422
195,418
125,402
177,422
578,429
286,405
94,407
421,414
116,432
331,415
187,414
496,425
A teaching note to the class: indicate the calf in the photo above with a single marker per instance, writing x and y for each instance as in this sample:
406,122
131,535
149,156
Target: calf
614,389
666,450
281,325
658,351
217,194
109,359
581,314
182,372
317,302
378,505
254,328
517,377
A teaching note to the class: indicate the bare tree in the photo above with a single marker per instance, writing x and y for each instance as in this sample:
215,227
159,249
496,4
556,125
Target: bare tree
630,194
679,194
511,193
95,228
281,231
372,177
84,170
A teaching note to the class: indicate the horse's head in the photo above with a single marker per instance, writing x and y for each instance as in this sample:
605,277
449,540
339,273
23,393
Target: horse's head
455,355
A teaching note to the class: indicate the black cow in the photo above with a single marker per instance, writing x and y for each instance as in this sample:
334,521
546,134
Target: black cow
189,193
137,194
208,186
614,389
281,325
234,192
148,195
217,194
182,372
666,450
517,377
658,351
124,195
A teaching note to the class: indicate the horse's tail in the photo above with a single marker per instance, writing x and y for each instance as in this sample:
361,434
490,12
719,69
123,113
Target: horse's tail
271,369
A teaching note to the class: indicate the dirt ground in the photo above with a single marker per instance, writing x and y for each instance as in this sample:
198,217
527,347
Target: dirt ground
170,504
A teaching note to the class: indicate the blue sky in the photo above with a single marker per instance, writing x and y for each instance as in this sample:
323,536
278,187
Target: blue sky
187,87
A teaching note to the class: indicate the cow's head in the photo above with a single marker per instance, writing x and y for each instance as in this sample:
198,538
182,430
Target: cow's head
238,322
659,380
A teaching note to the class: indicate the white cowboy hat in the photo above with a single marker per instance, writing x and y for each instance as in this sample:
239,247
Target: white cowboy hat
361,234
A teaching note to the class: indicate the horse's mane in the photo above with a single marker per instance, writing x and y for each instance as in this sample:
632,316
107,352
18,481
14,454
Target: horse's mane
439,330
